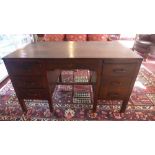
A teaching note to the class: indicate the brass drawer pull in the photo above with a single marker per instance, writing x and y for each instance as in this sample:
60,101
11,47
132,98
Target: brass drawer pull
119,70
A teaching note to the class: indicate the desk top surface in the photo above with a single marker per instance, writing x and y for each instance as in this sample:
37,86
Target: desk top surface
70,49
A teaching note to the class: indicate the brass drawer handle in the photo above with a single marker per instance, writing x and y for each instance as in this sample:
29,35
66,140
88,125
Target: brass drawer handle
115,83
119,70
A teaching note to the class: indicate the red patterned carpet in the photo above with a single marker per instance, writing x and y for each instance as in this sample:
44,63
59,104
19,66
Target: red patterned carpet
141,105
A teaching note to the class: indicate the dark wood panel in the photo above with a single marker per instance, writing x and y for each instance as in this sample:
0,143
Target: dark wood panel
119,69
122,61
29,81
74,50
73,64
115,93
25,67
32,93
53,76
116,82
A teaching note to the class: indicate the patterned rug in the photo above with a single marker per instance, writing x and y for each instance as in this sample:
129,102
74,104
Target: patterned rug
141,105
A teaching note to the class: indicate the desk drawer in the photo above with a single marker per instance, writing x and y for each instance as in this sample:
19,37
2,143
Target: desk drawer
25,67
73,64
29,82
116,82
33,93
119,69
118,93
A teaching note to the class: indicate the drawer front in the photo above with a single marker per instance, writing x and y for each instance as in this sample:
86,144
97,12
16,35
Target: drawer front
29,82
116,82
33,93
119,69
118,93
25,67
73,64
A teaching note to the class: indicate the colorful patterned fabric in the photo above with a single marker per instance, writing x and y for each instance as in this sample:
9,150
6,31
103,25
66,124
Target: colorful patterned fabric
54,37
76,37
141,105
97,37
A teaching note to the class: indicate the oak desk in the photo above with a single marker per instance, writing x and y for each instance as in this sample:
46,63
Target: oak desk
35,69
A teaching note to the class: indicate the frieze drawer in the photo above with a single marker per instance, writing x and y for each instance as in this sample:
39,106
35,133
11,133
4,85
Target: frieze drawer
30,82
119,69
116,82
25,67
115,93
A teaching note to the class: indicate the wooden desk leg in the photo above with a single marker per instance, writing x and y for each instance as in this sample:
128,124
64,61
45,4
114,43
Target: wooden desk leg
124,105
23,106
95,97
96,91
95,101
50,102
